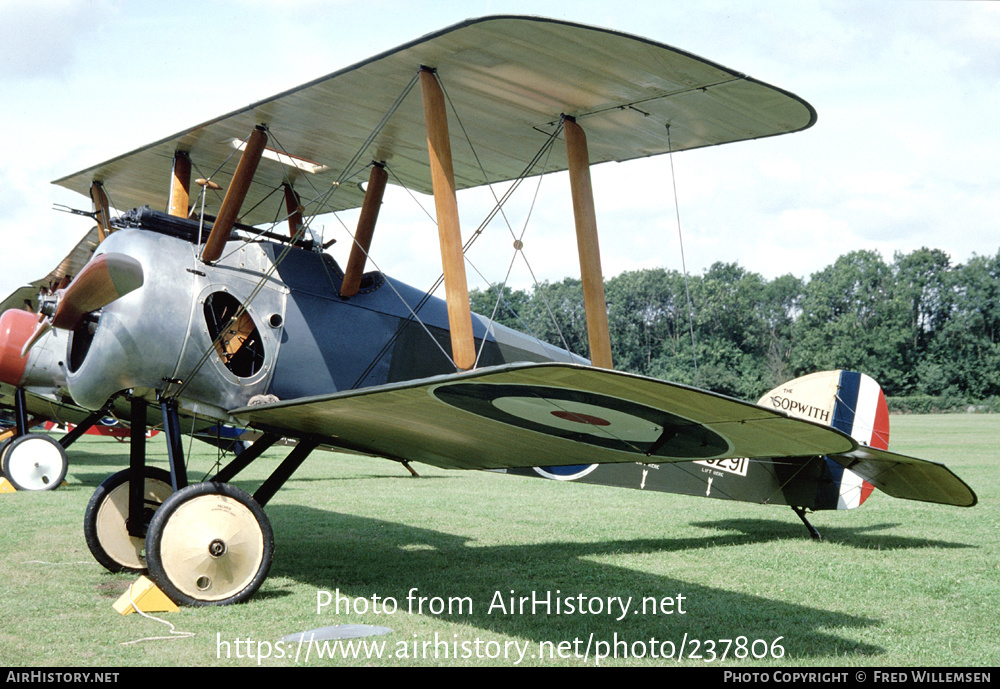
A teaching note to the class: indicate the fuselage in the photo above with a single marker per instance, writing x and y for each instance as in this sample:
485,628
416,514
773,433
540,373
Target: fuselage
293,334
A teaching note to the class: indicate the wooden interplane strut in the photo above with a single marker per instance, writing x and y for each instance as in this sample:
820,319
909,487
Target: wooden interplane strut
293,208
366,228
180,186
463,347
101,210
237,191
585,216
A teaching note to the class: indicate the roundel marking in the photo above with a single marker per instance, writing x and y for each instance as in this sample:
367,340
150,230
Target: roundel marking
587,417
580,418
565,473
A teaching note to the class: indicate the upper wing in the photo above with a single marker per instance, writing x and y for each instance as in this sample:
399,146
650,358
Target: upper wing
509,80
26,297
523,415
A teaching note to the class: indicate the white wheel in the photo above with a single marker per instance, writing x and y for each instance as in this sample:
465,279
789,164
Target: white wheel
105,523
35,462
3,452
209,544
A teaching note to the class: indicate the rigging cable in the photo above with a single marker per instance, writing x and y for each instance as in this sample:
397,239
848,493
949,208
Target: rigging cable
518,240
437,283
680,239
243,308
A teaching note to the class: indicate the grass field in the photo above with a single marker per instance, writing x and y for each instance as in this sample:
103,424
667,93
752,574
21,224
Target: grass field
894,583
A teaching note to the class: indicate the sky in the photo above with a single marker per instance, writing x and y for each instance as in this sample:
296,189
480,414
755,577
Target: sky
904,153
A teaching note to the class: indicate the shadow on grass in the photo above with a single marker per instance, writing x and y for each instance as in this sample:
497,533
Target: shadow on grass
89,480
90,469
861,537
362,558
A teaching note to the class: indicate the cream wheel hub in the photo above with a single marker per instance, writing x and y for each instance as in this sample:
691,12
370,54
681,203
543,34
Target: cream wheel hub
212,547
112,523
209,544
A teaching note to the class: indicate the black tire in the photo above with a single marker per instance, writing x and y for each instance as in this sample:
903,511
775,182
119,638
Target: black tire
104,522
209,544
34,462
3,452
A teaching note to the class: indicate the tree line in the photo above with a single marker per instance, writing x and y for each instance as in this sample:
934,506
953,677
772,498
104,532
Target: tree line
919,325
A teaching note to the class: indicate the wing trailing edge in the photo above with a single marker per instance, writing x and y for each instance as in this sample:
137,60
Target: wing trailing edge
907,477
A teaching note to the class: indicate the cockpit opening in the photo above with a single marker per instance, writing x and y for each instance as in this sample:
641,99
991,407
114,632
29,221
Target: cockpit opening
234,334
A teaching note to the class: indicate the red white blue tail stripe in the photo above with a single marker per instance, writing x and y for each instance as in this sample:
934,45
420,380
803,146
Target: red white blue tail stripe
861,412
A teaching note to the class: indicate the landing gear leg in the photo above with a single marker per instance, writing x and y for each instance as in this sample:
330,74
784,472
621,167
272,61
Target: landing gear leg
175,449
211,543
801,511
83,427
121,508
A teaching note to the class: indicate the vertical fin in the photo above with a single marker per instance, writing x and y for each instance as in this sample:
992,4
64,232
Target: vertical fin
848,401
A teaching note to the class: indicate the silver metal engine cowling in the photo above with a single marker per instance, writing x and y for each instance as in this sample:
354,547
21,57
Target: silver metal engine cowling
160,337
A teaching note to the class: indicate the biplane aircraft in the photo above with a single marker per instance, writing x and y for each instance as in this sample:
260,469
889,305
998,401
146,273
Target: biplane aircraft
210,301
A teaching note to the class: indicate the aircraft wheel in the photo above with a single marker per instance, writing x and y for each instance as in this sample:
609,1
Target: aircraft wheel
34,462
3,452
105,524
209,544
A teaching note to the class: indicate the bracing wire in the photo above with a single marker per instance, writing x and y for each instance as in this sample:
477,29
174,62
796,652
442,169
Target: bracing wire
298,235
680,239
518,239
546,146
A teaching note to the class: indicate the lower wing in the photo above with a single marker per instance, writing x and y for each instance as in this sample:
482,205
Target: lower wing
525,415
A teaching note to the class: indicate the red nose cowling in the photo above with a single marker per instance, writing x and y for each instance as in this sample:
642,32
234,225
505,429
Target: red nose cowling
16,327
